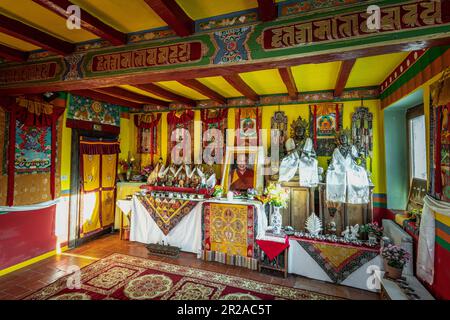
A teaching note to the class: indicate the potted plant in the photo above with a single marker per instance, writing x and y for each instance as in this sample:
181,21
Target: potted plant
373,230
394,260
278,197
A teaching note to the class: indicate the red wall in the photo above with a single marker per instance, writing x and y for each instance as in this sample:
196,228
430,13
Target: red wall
25,235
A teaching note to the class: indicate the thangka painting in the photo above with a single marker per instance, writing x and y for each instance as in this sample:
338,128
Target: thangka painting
326,120
86,109
440,152
33,148
248,123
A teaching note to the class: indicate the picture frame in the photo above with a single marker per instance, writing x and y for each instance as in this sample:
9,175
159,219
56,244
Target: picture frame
253,176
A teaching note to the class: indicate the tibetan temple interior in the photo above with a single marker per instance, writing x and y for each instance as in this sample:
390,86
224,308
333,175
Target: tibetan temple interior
223,150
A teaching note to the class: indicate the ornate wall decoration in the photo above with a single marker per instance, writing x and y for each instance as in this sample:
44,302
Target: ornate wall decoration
73,67
213,119
33,150
248,123
279,122
231,45
362,131
326,119
85,113
303,6
149,133
179,124
229,21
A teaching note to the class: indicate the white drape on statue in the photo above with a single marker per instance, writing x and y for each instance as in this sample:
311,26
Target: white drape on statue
346,181
425,254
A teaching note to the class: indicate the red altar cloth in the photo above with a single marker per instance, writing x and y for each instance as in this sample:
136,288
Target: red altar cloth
271,248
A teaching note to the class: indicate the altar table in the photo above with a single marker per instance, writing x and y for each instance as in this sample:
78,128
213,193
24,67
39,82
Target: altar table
342,264
187,233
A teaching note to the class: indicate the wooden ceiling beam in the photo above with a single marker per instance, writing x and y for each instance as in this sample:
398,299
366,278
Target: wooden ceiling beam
173,15
35,36
204,90
88,22
98,96
267,10
240,85
128,95
166,94
289,82
12,54
344,74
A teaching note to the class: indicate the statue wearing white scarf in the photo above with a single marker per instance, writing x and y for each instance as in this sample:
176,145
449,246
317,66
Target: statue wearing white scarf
347,182
301,156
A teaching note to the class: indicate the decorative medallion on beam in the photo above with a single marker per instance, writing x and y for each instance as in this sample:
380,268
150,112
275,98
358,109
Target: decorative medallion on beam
173,15
204,90
240,85
29,34
344,74
88,22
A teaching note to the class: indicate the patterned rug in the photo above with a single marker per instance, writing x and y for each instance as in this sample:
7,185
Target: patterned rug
167,213
123,277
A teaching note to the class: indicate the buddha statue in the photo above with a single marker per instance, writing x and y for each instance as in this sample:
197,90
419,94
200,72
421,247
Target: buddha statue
300,157
346,182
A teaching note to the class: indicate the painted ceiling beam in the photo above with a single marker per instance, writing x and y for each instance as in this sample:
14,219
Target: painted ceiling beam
35,36
128,95
173,15
88,22
204,90
240,85
12,54
98,96
267,10
344,74
289,82
166,94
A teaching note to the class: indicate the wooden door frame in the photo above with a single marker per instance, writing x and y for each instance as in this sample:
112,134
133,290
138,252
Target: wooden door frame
74,202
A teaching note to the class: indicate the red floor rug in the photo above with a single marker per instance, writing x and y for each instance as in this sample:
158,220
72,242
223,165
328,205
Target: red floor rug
123,277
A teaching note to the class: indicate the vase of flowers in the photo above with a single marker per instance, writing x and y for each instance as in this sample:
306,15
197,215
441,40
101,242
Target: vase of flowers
218,191
127,166
278,197
394,258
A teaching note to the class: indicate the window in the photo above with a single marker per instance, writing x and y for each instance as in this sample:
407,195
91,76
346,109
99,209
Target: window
417,147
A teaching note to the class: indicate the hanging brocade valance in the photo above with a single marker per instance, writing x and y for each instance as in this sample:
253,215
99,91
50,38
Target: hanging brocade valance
91,147
148,128
32,140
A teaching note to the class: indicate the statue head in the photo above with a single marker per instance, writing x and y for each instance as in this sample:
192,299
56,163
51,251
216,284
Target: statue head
299,129
343,137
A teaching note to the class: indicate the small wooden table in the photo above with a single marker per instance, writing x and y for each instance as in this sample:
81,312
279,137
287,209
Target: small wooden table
279,263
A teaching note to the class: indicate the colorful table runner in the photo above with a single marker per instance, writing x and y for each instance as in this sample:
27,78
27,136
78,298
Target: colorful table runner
337,260
166,213
229,234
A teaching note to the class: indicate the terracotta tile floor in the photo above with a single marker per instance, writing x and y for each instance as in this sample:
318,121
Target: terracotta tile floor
23,282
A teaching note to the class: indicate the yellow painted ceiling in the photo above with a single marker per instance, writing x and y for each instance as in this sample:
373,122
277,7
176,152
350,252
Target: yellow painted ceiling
265,81
314,77
16,43
200,9
221,86
371,71
178,88
123,15
37,16
142,92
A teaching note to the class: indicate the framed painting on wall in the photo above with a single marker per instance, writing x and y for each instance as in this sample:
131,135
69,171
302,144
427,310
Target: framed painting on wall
243,169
